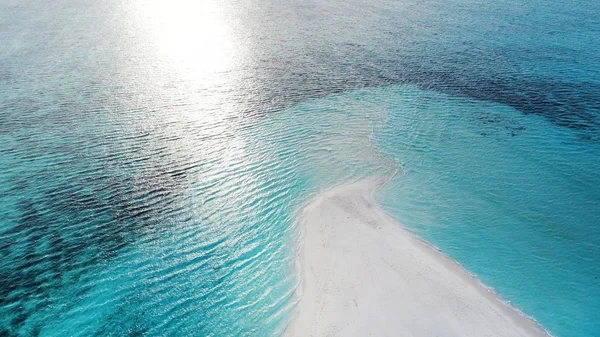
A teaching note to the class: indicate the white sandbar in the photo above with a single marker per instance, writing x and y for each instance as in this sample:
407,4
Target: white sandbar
363,274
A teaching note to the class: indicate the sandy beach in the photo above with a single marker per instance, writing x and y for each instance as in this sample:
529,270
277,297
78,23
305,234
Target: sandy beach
363,274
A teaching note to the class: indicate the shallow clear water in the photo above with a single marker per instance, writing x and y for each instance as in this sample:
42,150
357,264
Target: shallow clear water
154,155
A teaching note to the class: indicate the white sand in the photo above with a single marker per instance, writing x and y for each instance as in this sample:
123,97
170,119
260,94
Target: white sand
364,275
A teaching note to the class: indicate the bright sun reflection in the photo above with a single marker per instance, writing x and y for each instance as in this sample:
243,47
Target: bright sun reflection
192,35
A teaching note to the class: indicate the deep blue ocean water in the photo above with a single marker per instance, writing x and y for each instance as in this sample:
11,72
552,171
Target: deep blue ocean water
155,155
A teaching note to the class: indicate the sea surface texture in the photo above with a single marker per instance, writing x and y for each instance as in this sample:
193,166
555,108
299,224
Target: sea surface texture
155,155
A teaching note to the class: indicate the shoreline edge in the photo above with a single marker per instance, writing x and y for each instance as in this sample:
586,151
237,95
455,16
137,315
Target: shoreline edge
363,273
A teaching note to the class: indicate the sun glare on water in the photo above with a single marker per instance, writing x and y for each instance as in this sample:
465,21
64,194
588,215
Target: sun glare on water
191,48
193,36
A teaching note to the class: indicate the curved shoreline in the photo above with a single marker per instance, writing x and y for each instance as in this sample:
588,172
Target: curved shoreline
363,274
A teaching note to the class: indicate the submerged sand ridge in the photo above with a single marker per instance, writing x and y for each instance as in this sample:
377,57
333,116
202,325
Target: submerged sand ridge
363,274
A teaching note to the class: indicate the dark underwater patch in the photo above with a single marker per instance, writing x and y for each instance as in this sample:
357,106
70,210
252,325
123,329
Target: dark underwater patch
68,228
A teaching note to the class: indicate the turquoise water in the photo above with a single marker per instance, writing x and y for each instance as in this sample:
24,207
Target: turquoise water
154,155
513,198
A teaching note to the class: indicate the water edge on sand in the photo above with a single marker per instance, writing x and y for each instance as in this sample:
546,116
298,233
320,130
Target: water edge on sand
363,274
